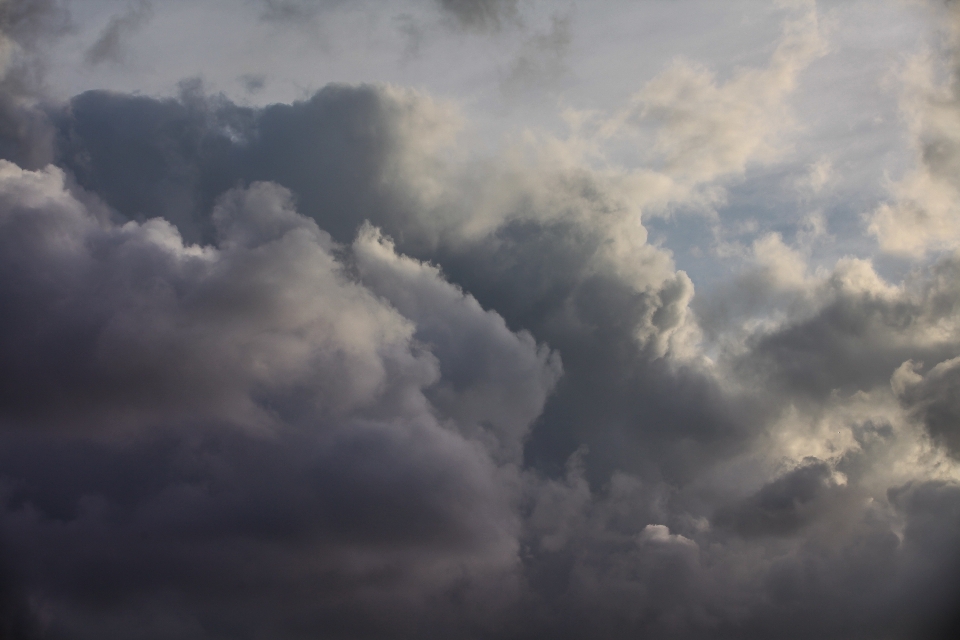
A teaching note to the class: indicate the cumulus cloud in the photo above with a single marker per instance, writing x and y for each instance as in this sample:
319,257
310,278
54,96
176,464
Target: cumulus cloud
325,369
156,325
493,381
851,311
140,353
349,153
933,399
262,346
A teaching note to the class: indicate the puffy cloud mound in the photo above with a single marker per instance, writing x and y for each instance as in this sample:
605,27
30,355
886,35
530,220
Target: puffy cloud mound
246,415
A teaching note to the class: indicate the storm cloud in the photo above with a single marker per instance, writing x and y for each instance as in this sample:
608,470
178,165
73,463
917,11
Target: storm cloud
350,366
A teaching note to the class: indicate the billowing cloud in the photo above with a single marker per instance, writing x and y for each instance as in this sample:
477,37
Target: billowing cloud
350,367
262,346
932,398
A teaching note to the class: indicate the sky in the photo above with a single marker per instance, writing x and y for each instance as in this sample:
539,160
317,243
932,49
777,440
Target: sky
480,319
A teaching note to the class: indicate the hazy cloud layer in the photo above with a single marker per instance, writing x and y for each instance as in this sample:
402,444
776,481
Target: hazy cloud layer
343,368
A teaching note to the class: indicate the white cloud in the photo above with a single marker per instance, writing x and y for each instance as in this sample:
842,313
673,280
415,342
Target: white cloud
707,129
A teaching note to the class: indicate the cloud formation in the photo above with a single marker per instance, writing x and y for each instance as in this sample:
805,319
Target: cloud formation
480,14
261,346
337,368
921,214
25,27
109,46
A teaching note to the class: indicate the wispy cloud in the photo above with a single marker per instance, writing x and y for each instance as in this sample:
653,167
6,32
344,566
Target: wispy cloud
109,47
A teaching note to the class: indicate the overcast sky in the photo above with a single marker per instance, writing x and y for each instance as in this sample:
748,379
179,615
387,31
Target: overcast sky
481,319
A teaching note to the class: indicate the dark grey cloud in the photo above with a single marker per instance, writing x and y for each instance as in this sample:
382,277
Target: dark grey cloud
783,506
223,532
852,331
315,426
933,399
172,158
152,325
17,619
606,562
339,153
616,396
932,515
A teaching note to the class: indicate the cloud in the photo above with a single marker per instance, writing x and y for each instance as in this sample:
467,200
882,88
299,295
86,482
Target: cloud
23,25
260,350
819,174
921,215
932,399
258,324
785,505
173,158
493,383
109,46
26,26
852,311
293,11
708,128
356,360
480,14
139,354
326,369
145,348
607,562
540,62
253,82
